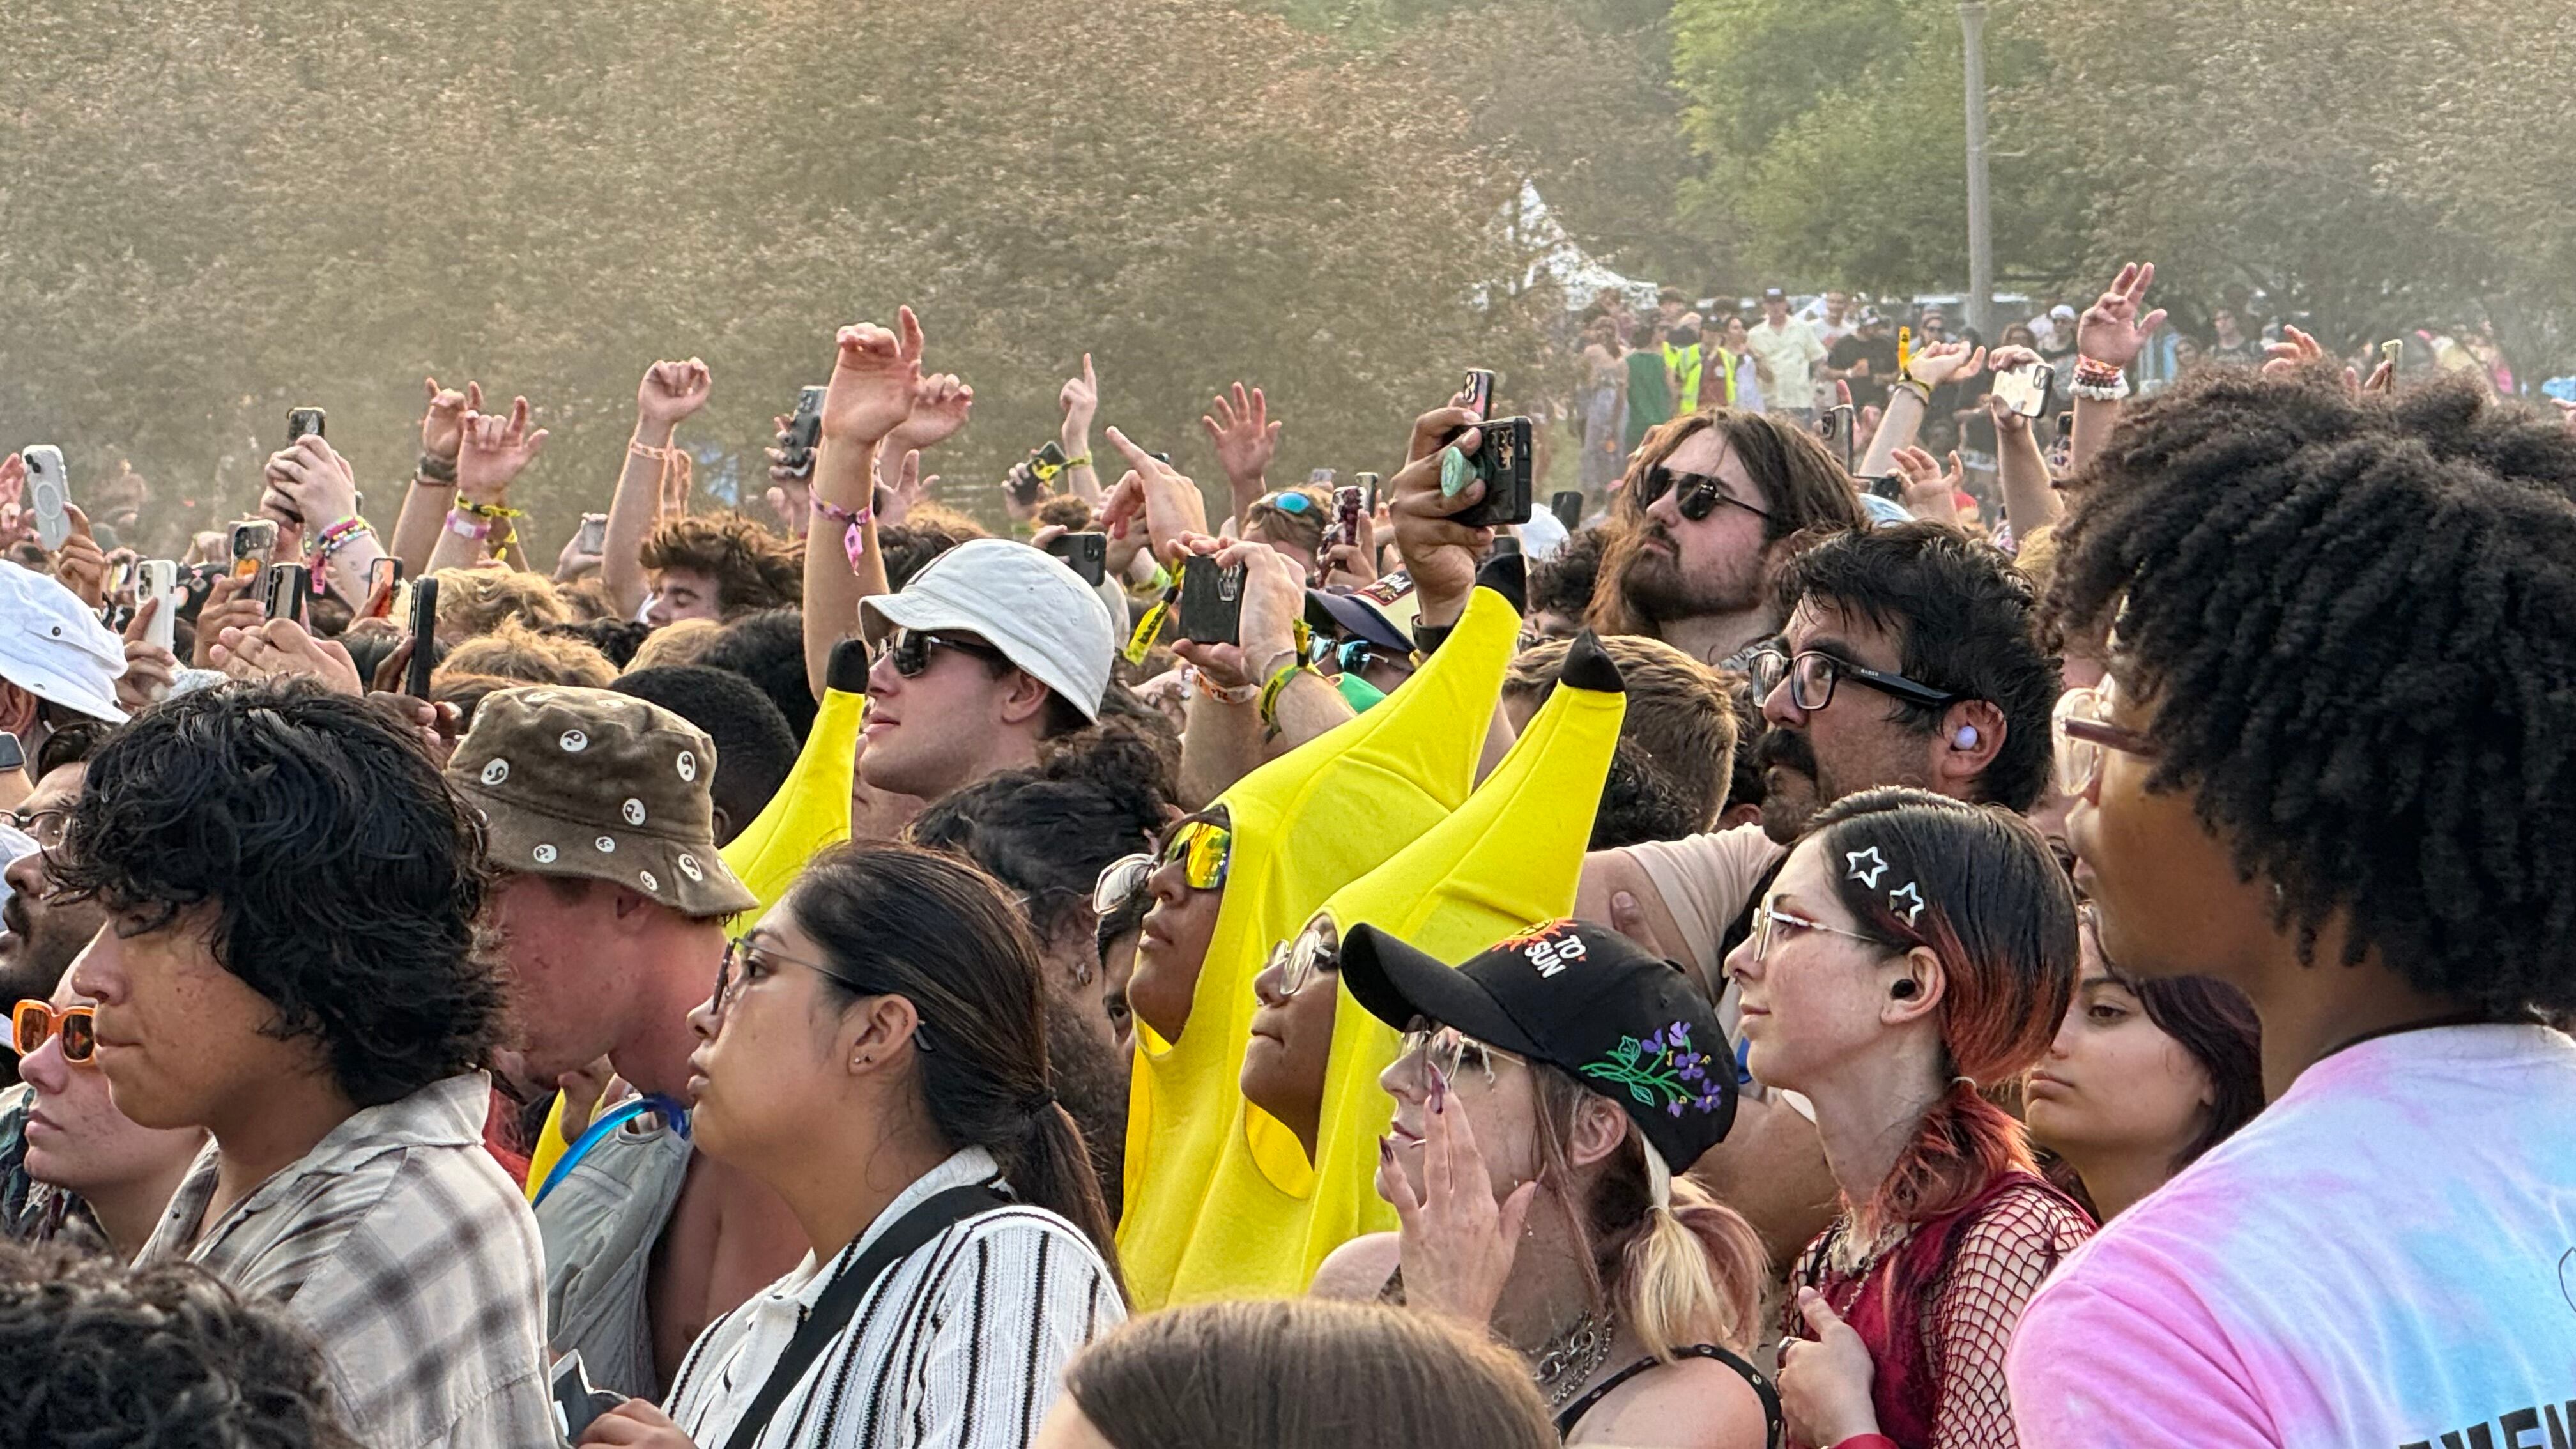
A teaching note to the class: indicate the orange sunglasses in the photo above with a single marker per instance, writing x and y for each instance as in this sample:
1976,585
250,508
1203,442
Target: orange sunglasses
31,1022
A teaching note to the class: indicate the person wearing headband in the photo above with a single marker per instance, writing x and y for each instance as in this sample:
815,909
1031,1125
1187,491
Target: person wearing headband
874,1051
1548,1093
1913,950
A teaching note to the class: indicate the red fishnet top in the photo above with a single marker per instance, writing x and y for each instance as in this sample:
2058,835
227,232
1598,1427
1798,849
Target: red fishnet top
1938,1311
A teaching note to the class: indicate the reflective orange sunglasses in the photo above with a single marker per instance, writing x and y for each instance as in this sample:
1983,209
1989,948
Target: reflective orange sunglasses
31,1022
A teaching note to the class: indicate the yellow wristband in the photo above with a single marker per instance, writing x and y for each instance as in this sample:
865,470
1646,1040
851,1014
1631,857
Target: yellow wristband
1277,686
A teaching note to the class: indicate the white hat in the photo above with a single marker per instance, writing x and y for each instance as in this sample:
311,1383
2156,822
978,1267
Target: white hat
1028,604
52,646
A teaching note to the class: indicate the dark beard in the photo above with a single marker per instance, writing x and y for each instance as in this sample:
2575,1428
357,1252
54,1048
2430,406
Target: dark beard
1655,588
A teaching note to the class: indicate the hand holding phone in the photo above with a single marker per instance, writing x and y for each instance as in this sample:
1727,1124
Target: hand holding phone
1478,395
1086,553
424,635
49,495
1211,607
159,581
1502,463
2023,389
286,587
250,542
300,421
804,430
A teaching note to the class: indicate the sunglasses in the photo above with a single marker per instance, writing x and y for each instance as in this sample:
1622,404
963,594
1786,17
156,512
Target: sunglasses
1812,676
909,650
1701,493
1297,504
2081,730
31,1022
1205,850
1445,1049
1298,962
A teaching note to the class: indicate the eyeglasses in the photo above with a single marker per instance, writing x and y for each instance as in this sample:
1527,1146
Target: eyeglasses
31,1022
1205,850
45,827
1766,916
740,955
1445,1049
2081,728
909,650
1700,493
1349,656
1120,881
1298,962
1812,676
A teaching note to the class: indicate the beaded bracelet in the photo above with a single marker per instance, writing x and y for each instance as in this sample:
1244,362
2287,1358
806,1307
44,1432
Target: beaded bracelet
2090,373
854,539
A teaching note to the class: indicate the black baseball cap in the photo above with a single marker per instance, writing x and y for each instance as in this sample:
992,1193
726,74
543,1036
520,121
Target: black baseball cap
1581,998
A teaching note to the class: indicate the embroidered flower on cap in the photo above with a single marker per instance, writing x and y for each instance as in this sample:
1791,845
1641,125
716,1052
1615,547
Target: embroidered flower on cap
574,742
495,770
689,867
605,845
545,854
688,766
646,876
1663,1070
634,811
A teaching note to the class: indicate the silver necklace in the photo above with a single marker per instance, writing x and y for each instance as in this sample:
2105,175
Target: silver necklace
1566,1362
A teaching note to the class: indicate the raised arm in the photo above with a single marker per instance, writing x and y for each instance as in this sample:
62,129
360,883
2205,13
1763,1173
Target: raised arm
1246,440
324,490
2108,337
495,451
1229,735
670,393
2021,469
433,480
1081,403
877,387
1911,396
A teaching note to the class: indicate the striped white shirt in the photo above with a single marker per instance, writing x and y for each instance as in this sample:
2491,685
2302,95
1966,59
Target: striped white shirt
960,1344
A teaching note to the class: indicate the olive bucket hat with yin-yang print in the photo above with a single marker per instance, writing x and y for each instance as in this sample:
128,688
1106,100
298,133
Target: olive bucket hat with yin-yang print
592,783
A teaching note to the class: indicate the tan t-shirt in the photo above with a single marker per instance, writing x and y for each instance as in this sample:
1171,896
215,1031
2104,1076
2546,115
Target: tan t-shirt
1706,881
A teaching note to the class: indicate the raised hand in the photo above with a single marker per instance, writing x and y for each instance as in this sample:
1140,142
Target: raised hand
230,603
939,408
1274,599
2111,330
1944,362
1930,494
280,649
1440,555
80,565
875,378
2294,353
672,392
1458,1240
1246,439
149,669
496,450
442,427
902,491
1080,401
1155,491
315,481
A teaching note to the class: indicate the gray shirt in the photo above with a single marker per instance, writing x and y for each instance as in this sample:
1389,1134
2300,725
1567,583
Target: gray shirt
600,1221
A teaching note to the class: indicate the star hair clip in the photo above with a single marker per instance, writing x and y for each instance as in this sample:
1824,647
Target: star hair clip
1905,902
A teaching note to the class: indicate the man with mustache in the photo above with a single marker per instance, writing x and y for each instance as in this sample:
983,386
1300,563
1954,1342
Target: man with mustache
1908,657
40,933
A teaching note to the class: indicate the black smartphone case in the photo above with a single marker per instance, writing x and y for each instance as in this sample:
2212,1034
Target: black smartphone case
1503,464
1211,609
1086,553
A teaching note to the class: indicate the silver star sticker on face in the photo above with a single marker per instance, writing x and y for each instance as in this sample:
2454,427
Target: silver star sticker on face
1868,875
1898,902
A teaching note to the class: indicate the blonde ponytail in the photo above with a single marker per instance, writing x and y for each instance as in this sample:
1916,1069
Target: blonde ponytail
1692,1274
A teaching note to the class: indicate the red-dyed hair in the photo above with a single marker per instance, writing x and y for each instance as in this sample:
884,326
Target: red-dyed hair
1998,912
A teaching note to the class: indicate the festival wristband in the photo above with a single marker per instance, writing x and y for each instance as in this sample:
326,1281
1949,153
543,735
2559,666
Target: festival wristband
1278,685
436,471
854,538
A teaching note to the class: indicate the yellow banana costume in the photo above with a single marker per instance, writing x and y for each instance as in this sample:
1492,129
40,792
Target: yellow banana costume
1305,825
810,811
1508,857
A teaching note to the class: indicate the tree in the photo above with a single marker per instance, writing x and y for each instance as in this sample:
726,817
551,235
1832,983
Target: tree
225,213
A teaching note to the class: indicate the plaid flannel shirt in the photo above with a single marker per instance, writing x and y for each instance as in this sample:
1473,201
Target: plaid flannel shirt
407,1252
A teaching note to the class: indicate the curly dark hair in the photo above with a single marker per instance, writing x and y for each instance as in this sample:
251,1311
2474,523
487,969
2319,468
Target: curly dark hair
754,567
927,533
768,648
2355,619
1965,620
1049,832
166,1357
1562,583
346,876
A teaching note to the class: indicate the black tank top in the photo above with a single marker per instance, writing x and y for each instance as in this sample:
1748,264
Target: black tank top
1772,1428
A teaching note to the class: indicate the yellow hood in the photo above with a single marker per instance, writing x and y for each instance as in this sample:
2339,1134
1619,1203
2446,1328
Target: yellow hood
810,811
1508,857
1305,825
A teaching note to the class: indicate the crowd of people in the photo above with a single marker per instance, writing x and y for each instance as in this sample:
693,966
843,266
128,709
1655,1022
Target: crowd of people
1794,949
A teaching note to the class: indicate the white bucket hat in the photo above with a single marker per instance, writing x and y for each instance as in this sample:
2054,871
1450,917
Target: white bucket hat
1026,603
52,646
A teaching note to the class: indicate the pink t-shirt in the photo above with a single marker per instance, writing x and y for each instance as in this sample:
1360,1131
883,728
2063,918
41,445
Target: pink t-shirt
2385,1257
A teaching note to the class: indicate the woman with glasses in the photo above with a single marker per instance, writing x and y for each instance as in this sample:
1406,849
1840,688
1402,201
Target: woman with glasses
1550,1091
875,1051
1913,951
2145,1074
72,1167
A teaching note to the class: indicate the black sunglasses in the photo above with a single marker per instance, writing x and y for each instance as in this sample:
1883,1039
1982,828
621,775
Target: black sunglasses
909,650
1701,493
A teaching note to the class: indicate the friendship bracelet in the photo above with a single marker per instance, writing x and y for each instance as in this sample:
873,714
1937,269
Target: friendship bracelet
1222,694
853,539
2089,373
675,476
1072,463
489,510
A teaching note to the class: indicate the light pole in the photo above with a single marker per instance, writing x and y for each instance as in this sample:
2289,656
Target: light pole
1981,237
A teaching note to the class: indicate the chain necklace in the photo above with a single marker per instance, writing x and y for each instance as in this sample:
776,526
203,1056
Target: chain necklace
1566,1362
